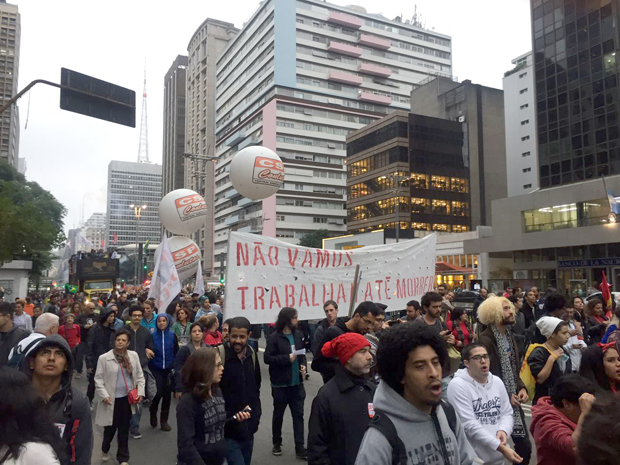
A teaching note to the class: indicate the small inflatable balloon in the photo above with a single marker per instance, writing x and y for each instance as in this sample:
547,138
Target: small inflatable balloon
256,172
183,211
186,255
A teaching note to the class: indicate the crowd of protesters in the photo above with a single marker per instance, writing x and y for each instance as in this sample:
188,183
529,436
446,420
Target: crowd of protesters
440,385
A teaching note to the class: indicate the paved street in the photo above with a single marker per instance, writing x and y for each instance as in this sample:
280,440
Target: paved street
159,448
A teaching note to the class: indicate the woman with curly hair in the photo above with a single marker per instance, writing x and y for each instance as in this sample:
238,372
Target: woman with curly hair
27,435
498,314
596,322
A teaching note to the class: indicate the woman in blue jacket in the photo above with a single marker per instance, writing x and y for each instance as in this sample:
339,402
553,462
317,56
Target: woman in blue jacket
166,348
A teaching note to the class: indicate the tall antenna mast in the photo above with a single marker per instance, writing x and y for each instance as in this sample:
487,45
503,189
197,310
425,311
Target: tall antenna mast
143,149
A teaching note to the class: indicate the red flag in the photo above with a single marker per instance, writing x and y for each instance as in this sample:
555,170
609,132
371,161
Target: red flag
114,239
606,295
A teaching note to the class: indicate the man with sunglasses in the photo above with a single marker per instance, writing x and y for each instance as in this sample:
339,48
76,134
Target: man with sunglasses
482,404
363,321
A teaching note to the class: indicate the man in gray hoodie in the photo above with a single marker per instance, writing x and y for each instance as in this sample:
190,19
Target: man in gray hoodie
408,400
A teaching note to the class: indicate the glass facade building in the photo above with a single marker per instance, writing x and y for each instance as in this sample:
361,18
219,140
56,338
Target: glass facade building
408,170
575,43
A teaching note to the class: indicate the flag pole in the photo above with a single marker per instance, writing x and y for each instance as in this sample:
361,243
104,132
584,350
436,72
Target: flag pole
356,282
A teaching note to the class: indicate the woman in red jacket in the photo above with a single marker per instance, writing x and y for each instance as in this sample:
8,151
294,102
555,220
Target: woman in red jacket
460,328
211,324
71,333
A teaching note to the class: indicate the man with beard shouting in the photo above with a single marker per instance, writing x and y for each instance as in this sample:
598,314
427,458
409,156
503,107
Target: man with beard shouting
499,314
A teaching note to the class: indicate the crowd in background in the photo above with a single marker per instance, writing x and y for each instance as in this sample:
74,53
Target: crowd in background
433,383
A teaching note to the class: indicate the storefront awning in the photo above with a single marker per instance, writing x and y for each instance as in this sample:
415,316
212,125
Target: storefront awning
448,268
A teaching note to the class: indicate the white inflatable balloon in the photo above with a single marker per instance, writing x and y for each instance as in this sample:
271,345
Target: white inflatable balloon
256,172
183,211
186,255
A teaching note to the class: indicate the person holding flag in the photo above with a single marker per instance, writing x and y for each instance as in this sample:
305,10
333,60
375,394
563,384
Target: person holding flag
606,296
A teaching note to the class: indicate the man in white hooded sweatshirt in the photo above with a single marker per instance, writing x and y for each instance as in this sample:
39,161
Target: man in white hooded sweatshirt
482,404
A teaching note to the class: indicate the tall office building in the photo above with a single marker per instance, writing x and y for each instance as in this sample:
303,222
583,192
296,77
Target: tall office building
174,125
135,184
209,40
519,117
297,79
481,111
95,231
576,71
10,30
409,170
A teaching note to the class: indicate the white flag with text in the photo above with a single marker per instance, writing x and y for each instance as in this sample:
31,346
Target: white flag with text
165,285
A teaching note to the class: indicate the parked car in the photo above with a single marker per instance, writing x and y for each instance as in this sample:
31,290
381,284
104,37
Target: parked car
599,296
465,299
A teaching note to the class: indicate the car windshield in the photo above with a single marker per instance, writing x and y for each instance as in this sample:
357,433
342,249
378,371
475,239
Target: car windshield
94,285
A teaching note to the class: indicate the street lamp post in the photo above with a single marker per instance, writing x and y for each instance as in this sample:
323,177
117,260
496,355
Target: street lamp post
204,175
137,210
397,179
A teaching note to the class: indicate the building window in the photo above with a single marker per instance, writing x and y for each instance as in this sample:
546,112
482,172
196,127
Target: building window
525,154
573,215
524,106
299,187
524,122
523,91
527,186
527,170
522,75
319,220
524,138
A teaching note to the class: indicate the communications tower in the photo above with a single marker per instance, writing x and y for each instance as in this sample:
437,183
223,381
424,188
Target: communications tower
143,149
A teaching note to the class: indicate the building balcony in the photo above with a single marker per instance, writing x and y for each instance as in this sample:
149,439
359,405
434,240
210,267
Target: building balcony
375,70
372,41
235,138
344,49
344,20
345,78
374,98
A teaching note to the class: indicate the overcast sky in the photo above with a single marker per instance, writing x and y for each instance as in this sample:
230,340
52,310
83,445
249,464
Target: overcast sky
68,154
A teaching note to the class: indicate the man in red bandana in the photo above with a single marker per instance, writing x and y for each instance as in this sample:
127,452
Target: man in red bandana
343,407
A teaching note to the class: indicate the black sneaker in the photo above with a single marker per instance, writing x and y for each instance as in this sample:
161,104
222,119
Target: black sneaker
277,450
301,453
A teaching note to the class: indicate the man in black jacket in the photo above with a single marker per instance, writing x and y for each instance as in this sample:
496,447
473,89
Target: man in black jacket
361,322
100,340
330,307
50,365
10,335
86,321
286,358
241,388
342,409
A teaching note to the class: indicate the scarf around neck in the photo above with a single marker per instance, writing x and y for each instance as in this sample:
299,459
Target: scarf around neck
509,375
123,359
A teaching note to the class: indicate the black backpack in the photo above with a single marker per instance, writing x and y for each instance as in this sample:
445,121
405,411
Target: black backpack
399,452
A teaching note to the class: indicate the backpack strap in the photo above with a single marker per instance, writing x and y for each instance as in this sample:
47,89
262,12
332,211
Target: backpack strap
450,413
384,425
74,430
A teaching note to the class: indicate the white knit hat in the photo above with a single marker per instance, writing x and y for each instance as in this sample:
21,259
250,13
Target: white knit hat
547,325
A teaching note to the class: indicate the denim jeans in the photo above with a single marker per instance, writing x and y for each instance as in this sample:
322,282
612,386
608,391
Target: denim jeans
134,425
239,452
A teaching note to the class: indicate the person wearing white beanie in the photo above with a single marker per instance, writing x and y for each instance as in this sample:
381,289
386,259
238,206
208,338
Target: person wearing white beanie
548,362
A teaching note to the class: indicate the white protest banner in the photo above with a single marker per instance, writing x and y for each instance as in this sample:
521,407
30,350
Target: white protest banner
264,275
165,285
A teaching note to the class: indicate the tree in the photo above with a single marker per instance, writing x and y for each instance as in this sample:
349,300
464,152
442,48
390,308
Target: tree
314,239
31,221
